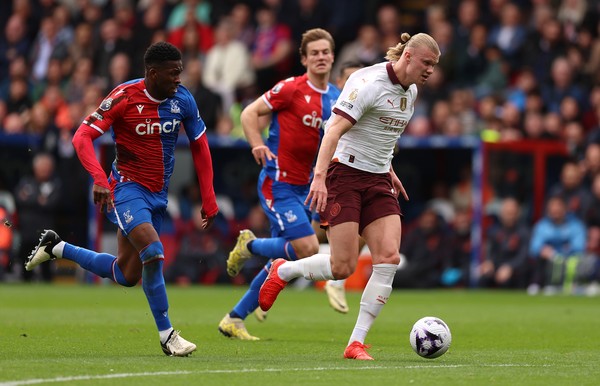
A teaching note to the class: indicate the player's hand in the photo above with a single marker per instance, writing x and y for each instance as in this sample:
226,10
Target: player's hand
261,154
398,187
207,221
103,197
317,196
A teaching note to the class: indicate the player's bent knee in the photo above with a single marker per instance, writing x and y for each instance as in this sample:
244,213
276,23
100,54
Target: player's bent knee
342,271
153,251
392,258
129,281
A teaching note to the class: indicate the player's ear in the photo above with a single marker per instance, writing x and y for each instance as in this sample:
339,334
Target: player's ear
303,60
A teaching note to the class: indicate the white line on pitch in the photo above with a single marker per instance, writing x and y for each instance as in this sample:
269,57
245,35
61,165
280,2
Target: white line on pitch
38,381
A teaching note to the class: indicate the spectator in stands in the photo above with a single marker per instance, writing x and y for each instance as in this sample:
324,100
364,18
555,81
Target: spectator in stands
79,80
18,99
456,270
470,61
571,14
509,35
84,44
54,77
37,197
152,20
591,163
110,43
388,23
589,44
561,86
592,214
544,45
426,249
40,122
227,65
533,126
505,261
193,38
571,189
468,18
244,30
557,242
48,44
210,104
119,71
13,43
553,125
199,9
272,49
364,49
574,137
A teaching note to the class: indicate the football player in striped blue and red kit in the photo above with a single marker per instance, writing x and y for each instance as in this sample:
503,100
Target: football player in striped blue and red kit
144,117
299,107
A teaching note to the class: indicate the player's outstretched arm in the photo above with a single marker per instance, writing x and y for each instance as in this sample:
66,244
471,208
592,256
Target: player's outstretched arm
84,147
253,130
336,127
204,171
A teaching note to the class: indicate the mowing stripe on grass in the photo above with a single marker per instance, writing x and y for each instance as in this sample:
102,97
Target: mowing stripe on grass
233,371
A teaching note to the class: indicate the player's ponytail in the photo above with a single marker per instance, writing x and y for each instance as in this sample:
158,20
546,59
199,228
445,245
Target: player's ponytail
406,40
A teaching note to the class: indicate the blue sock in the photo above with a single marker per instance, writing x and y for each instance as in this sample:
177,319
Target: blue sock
153,284
102,264
249,301
272,248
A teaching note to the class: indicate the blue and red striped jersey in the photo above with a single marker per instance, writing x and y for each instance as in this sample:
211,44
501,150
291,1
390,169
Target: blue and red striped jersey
141,124
300,111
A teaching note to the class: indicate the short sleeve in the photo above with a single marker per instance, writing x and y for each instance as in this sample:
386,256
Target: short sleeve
356,98
110,109
279,97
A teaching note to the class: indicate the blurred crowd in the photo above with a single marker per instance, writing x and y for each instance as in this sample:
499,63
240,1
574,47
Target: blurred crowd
510,70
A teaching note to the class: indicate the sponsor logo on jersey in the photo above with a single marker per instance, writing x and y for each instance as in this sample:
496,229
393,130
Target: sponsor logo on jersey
347,105
97,115
140,108
290,216
150,127
393,124
106,104
277,88
391,102
307,98
175,107
312,120
353,95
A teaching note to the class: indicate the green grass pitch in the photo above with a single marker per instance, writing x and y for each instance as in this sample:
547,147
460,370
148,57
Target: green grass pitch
105,335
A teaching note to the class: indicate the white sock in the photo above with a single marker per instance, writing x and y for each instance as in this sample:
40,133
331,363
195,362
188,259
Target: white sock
374,296
315,267
164,334
337,283
58,249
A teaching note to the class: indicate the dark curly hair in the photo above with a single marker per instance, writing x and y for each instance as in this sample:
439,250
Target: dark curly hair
161,52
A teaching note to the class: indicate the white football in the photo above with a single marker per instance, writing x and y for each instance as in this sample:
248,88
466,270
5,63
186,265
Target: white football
430,337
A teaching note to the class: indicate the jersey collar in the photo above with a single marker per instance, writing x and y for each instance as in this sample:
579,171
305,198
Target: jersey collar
391,74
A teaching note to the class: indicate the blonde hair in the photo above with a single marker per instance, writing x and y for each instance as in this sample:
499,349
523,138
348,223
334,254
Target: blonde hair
419,40
313,35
